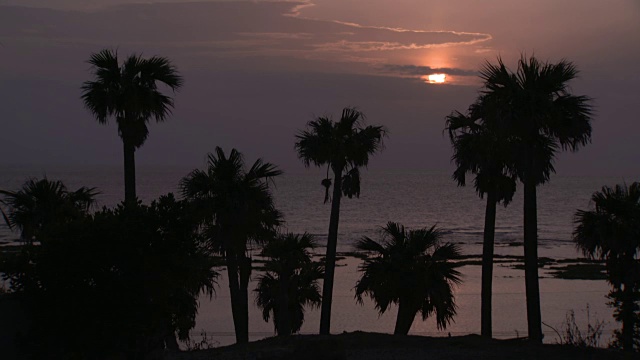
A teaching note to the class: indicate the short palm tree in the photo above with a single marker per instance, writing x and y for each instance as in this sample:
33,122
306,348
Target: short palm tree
43,203
535,107
343,146
130,94
612,232
290,282
484,152
236,207
412,269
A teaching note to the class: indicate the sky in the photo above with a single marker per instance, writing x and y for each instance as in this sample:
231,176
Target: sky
257,71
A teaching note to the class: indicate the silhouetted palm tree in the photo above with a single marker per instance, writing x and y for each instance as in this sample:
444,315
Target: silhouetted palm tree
236,207
484,152
129,93
40,204
343,146
535,107
612,232
290,282
410,269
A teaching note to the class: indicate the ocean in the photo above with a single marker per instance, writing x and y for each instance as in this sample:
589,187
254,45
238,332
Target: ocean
414,198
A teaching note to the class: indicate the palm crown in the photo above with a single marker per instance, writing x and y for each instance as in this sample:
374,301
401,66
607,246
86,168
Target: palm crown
612,232
42,203
235,202
534,106
411,269
343,145
482,150
129,92
290,281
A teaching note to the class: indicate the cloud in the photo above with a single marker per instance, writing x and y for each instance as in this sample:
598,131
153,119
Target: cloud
274,25
416,70
201,33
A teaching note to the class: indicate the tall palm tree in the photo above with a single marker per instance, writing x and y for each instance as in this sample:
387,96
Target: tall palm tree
612,232
290,282
43,203
130,94
413,270
236,207
535,107
343,146
485,152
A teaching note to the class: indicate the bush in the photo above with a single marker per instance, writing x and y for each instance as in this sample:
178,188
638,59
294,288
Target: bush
119,282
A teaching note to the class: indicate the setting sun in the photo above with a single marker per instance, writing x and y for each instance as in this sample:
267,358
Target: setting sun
436,78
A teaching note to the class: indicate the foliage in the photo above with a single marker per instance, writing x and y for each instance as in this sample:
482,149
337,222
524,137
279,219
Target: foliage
43,204
612,232
121,281
343,146
481,149
412,269
486,152
235,207
129,93
290,281
235,204
535,108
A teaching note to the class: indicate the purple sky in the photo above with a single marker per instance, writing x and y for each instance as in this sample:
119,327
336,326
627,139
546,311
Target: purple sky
256,71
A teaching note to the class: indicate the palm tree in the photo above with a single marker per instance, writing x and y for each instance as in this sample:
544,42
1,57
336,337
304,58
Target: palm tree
485,152
41,204
129,93
343,146
236,207
612,232
290,282
535,107
410,269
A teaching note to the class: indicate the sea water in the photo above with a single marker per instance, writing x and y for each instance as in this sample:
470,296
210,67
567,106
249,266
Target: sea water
416,199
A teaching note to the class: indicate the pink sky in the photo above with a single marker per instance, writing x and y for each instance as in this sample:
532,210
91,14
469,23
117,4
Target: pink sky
256,72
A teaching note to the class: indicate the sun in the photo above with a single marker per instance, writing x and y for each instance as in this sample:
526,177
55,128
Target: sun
436,78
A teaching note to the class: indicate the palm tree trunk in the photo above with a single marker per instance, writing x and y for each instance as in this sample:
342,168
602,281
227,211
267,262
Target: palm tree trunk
284,320
628,315
243,297
129,173
239,307
532,287
406,314
487,264
330,265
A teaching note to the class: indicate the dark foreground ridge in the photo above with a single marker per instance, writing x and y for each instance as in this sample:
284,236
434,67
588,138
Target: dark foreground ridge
372,346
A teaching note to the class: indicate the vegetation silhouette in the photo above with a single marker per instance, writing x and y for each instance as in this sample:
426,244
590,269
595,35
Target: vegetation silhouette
43,203
412,269
119,283
289,283
535,107
612,232
485,152
129,93
235,206
343,146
